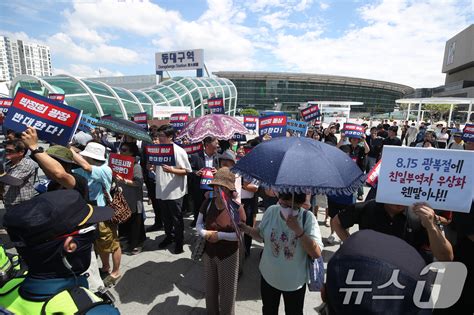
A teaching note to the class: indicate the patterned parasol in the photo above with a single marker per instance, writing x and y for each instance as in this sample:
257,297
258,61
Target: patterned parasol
223,127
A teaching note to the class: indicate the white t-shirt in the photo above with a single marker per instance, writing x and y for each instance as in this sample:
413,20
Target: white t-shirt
170,186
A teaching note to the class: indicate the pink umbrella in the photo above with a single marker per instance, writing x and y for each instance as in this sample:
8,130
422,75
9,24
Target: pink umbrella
223,127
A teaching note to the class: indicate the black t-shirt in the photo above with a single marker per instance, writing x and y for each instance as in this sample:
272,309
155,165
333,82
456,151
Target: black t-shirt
330,139
375,146
357,154
81,186
394,141
372,215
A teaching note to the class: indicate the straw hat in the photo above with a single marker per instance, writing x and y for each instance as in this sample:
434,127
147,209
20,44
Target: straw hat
224,177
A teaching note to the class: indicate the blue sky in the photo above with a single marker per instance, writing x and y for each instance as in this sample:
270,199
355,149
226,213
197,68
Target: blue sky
393,40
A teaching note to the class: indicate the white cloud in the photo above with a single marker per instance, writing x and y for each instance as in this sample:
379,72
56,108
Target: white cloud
323,6
396,45
85,71
276,20
261,5
303,5
63,44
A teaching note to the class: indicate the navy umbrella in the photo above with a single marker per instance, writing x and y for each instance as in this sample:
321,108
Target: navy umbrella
301,165
125,127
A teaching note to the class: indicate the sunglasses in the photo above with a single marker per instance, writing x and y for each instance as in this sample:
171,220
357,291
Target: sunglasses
10,151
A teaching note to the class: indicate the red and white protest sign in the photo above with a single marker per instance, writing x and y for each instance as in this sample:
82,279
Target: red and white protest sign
468,133
206,177
373,176
275,126
160,154
122,165
250,122
192,148
311,113
353,130
141,119
5,104
53,121
57,97
216,105
179,120
442,178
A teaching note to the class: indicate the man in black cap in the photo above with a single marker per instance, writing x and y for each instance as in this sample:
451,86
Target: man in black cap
375,273
54,233
418,226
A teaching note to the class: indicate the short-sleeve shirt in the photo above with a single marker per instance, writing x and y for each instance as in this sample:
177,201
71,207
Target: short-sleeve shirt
357,154
81,186
25,170
284,261
170,186
372,215
99,178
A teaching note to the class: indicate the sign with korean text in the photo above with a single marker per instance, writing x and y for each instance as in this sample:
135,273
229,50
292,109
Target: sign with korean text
141,120
239,137
353,130
57,97
298,128
216,105
87,123
250,122
180,60
53,121
311,113
442,178
160,154
206,177
179,120
373,176
121,165
468,133
192,148
5,103
275,126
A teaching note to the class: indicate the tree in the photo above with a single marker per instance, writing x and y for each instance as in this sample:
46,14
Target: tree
249,112
432,111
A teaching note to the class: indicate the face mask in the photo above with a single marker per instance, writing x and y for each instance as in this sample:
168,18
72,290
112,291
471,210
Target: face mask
286,212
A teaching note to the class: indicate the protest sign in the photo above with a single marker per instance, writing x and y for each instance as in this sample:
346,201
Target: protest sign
250,122
353,130
87,123
206,177
57,97
275,126
247,150
160,154
239,137
179,120
53,121
216,105
468,133
442,178
121,165
373,176
141,120
311,113
5,104
298,128
191,148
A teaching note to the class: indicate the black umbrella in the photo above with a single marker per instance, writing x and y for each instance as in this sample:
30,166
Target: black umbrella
125,127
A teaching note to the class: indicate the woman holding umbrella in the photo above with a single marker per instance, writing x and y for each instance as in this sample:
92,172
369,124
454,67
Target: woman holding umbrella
217,224
287,244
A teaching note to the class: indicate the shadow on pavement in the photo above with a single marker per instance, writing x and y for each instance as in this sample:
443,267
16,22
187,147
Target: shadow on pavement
170,306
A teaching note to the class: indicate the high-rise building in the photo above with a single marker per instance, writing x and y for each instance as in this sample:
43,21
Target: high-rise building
21,57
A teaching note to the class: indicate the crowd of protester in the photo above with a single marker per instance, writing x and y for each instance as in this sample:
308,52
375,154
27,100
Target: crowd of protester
289,233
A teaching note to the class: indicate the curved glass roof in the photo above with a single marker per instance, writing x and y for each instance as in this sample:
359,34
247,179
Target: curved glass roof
96,98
